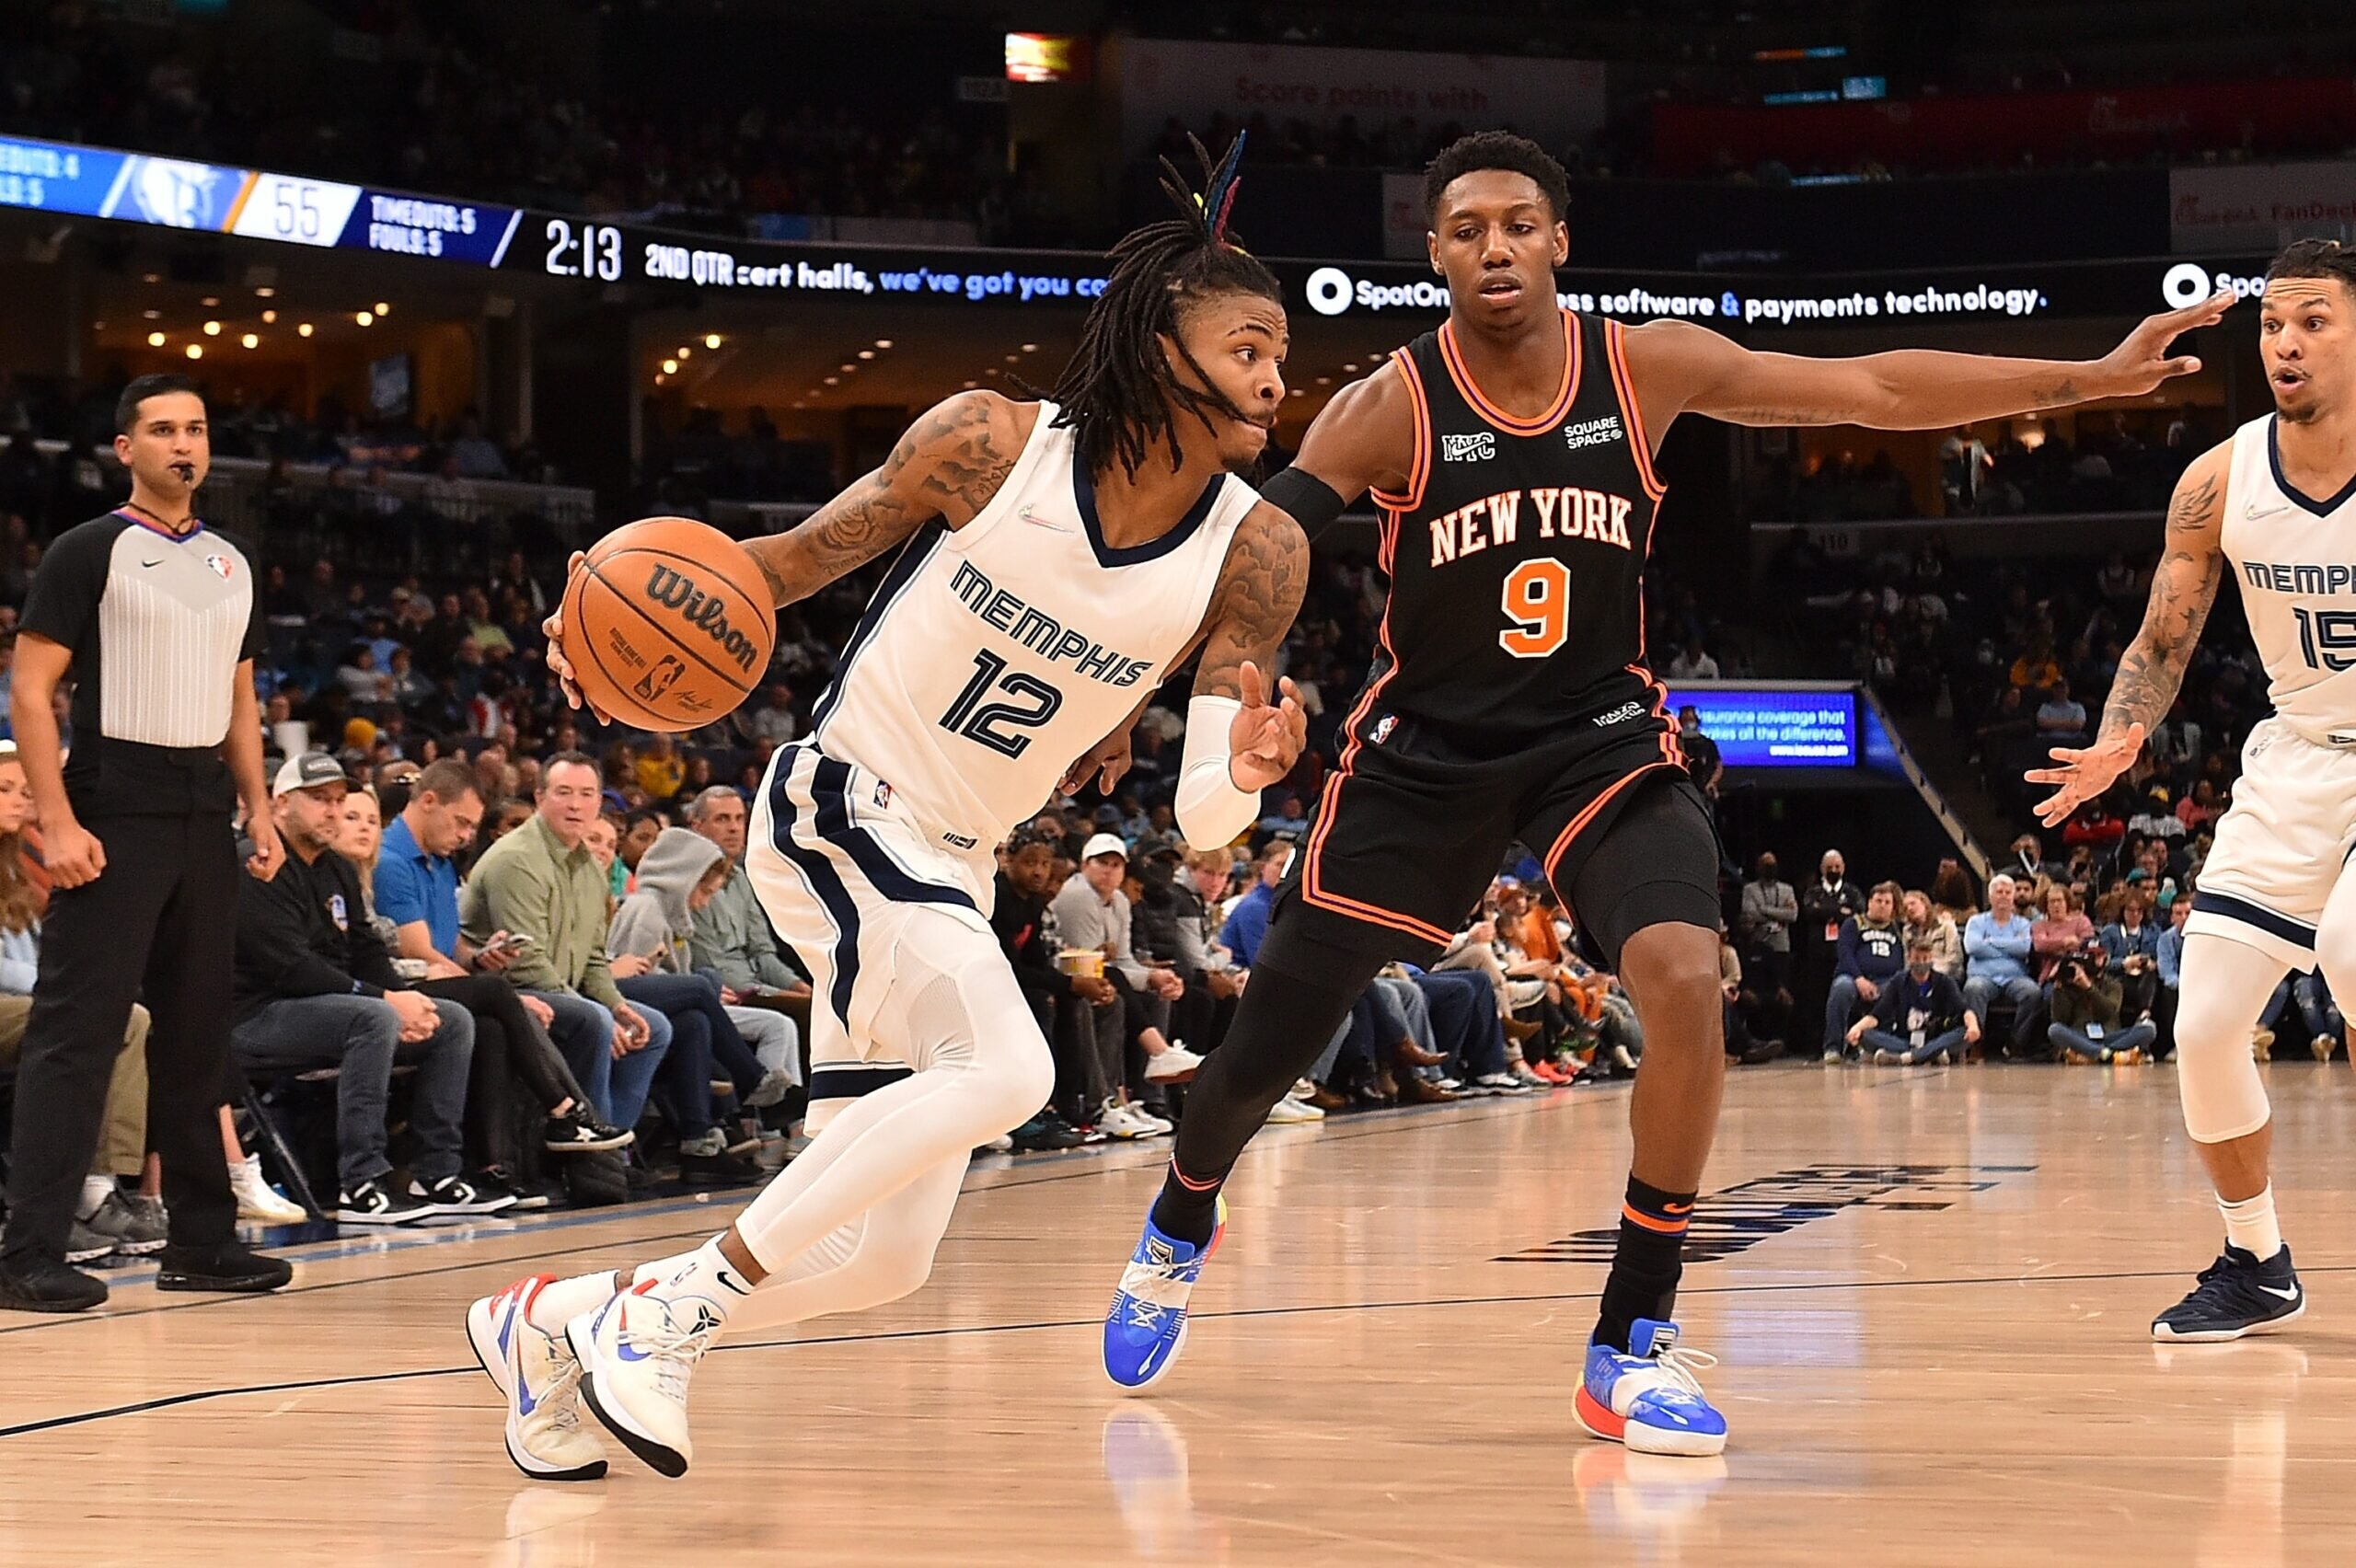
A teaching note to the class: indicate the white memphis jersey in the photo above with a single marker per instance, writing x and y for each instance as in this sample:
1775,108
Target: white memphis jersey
994,654
2295,556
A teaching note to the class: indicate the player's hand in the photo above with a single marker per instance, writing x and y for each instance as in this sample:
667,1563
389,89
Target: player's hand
1107,762
2141,361
558,665
2085,774
1266,739
72,854
268,853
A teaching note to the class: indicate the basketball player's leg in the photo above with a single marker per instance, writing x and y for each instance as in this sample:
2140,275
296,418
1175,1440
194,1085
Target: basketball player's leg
980,1066
1644,890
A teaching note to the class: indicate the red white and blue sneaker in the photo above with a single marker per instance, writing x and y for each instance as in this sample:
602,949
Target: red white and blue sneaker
540,1382
1649,1397
2236,1295
637,1352
1147,1327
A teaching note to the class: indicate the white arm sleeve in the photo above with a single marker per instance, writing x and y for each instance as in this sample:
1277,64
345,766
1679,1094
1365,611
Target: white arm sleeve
1211,811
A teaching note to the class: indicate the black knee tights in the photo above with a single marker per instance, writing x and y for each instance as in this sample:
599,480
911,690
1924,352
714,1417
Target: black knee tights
1300,992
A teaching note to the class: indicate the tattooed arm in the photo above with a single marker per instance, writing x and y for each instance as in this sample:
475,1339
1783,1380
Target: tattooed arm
947,467
2184,585
1681,368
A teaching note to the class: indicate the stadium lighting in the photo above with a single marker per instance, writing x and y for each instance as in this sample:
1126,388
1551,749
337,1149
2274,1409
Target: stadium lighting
1030,348
270,318
383,309
213,329
684,352
670,367
196,350
212,301
304,331
265,292
154,339
882,342
152,313
867,354
711,340
365,318
833,381
251,339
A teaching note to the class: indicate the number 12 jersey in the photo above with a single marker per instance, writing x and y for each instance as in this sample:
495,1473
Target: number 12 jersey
993,655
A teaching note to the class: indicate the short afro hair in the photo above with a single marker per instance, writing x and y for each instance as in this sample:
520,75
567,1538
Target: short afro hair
2316,258
1501,150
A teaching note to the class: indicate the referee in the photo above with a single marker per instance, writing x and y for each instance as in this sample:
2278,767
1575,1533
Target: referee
157,621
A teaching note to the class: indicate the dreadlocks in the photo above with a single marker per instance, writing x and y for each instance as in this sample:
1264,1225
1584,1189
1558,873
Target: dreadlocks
1120,392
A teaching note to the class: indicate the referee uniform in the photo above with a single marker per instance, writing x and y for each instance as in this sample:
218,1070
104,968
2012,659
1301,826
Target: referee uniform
157,624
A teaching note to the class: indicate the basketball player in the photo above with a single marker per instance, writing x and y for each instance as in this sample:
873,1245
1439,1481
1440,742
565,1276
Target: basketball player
1511,453
2275,510
1057,561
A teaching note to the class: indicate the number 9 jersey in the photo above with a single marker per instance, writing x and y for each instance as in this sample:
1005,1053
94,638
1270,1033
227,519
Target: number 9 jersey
1517,551
994,655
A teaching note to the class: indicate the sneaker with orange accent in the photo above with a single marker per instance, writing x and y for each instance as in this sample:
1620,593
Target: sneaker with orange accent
1649,1397
1147,1327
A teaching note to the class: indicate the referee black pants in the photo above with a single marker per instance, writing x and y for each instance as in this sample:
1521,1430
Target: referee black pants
160,924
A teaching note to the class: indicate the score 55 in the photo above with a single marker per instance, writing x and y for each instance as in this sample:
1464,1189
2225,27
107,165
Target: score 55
294,210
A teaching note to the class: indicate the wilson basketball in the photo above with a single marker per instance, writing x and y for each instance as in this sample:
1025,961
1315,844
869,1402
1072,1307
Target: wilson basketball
668,624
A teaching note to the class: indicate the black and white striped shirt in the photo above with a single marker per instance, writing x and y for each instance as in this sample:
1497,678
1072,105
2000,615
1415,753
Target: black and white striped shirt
156,624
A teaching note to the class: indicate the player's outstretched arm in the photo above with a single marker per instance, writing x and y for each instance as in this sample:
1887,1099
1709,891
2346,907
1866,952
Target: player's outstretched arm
2184,585
946,468
1682,368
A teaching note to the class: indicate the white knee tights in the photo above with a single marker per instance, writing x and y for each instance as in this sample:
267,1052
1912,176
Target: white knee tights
2225,987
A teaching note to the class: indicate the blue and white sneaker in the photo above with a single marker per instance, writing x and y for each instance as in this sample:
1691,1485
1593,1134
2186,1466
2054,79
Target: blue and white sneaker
1650,1398
2236,1295
1147,1327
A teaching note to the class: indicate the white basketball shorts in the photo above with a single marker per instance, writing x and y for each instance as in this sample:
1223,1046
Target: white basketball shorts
2281,846
848,878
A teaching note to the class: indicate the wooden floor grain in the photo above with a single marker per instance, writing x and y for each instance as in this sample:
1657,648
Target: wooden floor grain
1930,1290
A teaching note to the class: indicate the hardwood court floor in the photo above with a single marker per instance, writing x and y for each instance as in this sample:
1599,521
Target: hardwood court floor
1932,1306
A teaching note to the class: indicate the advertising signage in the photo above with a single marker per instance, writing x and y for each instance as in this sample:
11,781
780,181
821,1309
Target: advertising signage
294,209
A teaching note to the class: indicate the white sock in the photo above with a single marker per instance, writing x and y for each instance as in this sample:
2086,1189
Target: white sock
704,1274
2250,1225
562,1300
95,1191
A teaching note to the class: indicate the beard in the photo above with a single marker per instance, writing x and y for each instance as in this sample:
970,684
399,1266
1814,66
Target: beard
2304,413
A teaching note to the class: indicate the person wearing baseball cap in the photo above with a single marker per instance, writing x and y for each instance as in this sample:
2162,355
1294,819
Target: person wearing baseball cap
1093,912
315,987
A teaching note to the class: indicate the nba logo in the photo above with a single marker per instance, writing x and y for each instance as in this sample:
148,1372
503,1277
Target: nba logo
883,794
658,680
220,565
1382,728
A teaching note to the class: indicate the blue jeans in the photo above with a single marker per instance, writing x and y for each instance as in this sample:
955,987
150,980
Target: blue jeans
2315,1006
2134,1037
1879,1040
705,1046
1841,1004
360,1037
584,1032
2021,991
1465,1026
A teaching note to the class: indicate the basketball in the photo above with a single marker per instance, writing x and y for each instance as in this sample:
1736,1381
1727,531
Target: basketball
667,624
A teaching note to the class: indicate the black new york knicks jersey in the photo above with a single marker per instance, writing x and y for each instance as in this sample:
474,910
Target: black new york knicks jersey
1517,554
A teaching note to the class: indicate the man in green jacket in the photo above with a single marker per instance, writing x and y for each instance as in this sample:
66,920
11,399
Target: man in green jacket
541,884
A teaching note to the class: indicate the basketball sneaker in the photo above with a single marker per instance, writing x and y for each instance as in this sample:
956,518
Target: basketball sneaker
2236,1295
637,1352
1147,1327
1649,1398
539,1381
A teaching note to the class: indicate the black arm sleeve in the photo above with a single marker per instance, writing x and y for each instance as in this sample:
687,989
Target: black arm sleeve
1311,501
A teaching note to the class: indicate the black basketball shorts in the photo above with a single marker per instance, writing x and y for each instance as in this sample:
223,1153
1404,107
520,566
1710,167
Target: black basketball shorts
1409,833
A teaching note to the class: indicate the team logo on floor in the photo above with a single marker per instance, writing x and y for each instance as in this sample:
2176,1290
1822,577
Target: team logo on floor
1734,1221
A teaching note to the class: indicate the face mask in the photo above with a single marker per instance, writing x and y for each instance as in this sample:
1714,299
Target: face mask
1920,970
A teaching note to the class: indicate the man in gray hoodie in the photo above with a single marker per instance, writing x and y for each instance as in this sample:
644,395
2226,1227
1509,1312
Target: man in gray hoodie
647,949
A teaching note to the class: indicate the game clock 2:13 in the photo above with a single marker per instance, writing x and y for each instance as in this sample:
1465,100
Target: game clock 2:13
583,250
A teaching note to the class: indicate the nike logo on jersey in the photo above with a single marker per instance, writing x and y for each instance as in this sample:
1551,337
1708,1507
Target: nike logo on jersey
151,563
2252,510
1566,514
1476,447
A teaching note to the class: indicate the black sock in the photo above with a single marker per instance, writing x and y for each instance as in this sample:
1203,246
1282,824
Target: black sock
1649,1264
1188,1208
